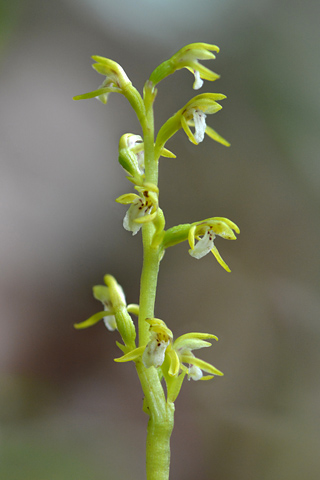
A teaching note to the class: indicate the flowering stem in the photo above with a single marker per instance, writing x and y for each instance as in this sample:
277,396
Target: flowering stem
160,413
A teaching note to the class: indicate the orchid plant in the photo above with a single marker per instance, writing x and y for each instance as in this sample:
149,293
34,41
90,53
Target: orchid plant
162,363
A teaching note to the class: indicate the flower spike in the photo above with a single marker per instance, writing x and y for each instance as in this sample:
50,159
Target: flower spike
187,57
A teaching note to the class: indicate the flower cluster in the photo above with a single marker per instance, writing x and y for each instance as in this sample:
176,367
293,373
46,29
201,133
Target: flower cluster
138,156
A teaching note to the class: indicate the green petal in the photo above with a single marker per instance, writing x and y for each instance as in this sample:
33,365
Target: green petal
174,362
92,320
146,218
131,356
191,236
186,128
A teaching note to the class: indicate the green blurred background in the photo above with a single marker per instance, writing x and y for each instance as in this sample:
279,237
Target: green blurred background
67,411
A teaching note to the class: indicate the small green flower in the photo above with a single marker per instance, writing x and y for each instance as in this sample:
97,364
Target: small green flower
205,232
193,114
161,351
116,79
143,209
188,57
131,155
113,300
183,348
160,338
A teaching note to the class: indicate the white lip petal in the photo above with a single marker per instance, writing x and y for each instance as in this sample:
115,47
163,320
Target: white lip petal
198,82
154,353
195,373
199,119
203,246
110,323
133,212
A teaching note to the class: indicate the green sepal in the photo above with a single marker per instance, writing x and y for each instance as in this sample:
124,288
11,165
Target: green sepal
158,326
101,293
167,153
173,382
194,340
128,162
219,259
206,377
123,348
97,93
133,355
92,320
215,136
207,367
127,198
228,222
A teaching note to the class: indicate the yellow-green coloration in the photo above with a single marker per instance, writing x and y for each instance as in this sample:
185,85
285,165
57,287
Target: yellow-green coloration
156,354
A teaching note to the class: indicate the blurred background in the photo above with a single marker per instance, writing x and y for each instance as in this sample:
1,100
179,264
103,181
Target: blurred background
67,411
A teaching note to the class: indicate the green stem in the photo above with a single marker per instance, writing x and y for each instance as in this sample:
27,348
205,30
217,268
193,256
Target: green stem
160,412
158,446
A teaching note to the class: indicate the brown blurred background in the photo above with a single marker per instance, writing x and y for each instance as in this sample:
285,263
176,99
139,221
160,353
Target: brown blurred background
67,411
